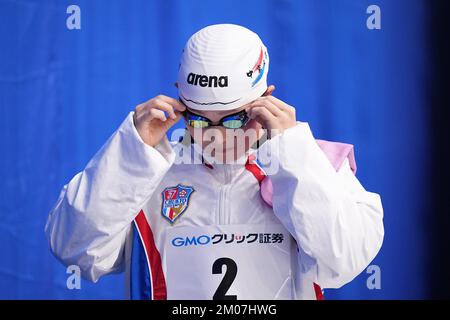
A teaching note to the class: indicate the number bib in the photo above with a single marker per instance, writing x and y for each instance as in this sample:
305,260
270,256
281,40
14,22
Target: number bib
229,262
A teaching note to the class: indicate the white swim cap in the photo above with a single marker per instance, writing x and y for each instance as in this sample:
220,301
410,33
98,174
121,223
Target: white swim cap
222,67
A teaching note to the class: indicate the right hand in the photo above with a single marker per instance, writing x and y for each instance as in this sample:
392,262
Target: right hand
150,121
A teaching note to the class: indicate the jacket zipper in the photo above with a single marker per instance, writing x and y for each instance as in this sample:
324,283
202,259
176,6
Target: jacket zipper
223,216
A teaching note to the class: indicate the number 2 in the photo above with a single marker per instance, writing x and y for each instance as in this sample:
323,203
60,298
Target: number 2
227,280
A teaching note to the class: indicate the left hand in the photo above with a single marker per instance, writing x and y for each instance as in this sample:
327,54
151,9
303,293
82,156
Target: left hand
273,114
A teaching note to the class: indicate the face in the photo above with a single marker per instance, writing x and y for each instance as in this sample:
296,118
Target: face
221,143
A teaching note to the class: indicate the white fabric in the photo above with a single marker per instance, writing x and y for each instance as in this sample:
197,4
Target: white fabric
336,223
217,68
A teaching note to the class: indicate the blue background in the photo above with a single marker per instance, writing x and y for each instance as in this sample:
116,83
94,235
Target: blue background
64,92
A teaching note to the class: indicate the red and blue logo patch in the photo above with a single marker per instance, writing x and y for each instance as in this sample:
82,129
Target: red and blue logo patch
258,68
175,201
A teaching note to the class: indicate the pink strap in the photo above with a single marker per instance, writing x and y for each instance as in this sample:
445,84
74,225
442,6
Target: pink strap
267,191
336,152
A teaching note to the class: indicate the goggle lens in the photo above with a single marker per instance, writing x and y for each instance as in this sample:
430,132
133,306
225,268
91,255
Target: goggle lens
233,124
234,121
198,123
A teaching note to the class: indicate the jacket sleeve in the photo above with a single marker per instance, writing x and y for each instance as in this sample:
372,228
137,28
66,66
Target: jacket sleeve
90,222
337,224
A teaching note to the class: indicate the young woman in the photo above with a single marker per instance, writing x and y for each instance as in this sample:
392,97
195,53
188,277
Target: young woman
248,205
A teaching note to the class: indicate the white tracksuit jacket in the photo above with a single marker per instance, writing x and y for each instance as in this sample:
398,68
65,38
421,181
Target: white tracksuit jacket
195,231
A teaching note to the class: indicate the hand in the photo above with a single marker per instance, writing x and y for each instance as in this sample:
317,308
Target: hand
150,120
273,114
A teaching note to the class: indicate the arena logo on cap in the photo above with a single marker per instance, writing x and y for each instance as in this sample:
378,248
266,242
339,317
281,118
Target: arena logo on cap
207,81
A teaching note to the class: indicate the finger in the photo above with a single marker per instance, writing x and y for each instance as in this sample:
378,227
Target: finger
157,114
178,116
280,104
269,90
173,102
162,105
277,112
262,115
140,107
141,112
